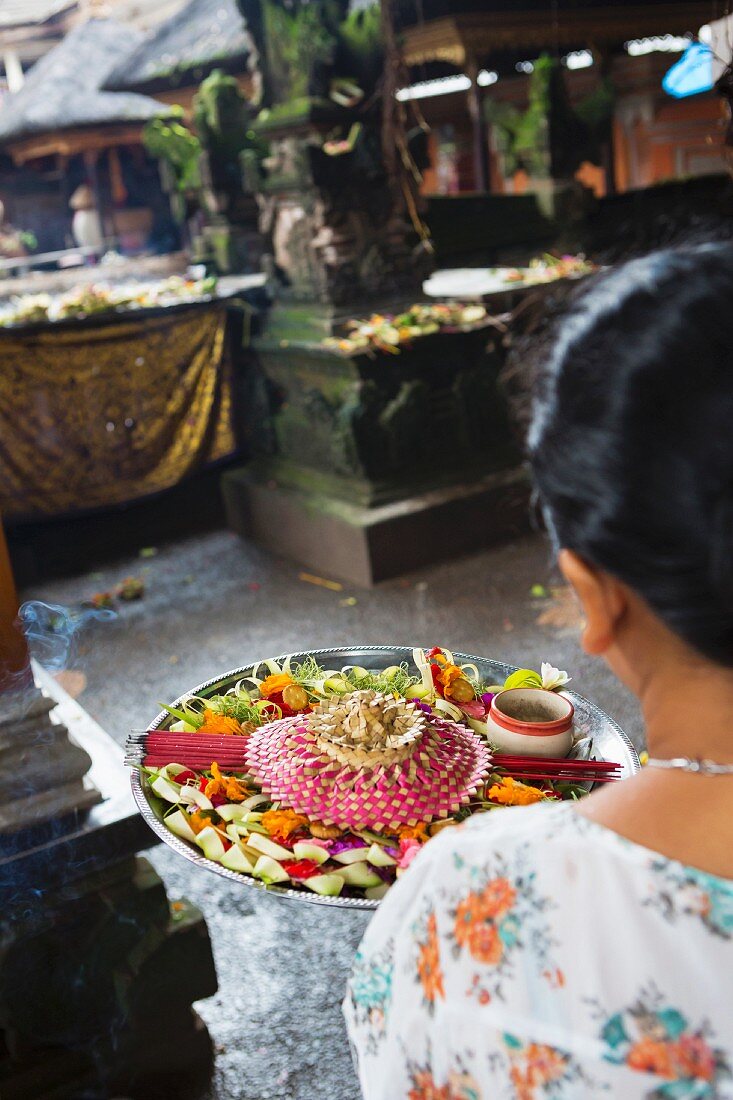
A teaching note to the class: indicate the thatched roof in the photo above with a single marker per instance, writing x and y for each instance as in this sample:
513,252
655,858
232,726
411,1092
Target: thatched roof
204,35
22,13
62,90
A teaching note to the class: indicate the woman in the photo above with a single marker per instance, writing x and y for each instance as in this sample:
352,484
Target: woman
572,951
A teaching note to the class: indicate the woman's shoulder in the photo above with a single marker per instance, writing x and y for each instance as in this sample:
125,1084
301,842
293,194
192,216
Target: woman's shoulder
551,825
521,846
574,865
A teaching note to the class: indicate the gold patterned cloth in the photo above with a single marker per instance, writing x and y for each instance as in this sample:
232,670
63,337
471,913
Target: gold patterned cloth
102,412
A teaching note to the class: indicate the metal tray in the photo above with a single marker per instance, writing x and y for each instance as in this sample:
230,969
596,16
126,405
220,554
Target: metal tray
610,742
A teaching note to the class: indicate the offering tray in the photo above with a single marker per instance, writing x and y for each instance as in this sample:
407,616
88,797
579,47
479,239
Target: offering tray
610,743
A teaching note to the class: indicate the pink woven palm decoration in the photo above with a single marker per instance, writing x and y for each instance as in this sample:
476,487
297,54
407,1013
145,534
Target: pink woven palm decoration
368,761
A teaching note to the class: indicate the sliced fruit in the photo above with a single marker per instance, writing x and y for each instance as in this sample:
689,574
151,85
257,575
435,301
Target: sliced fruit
377,856
359,874
419,691
295,697
232,811
173,771
270,871
338,685
210,843
268,847
303,849
236,859
247,828
329,886
177,822
165,789
351,855
192,795
376,893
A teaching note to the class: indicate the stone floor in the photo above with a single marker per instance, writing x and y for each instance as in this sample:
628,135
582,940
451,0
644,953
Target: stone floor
213,603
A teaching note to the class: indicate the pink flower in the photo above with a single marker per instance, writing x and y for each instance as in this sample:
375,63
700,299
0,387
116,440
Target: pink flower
475,710
408,850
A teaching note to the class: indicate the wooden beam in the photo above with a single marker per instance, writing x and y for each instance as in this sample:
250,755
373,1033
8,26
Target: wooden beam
454,38
69,143
481,170
15,668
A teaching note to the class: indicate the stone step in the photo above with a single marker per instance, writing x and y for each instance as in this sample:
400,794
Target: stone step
54,805
33,768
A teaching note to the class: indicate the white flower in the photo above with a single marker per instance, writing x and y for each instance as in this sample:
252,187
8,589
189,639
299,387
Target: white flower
553,678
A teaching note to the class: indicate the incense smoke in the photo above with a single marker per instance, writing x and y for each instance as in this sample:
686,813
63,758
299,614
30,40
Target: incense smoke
52,631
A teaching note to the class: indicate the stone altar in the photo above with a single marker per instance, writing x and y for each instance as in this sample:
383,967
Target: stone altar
366,465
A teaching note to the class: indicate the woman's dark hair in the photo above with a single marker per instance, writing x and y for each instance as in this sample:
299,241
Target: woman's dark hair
632,437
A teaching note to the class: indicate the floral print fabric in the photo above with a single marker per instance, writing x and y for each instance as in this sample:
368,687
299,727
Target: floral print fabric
532,954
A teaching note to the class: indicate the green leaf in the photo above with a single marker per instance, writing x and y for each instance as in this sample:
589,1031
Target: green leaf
523,678
188,716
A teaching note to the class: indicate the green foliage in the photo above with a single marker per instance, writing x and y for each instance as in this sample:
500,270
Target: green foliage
531,139
360,47
303,44
596,110
298,40
551,137
221,118
523,136
240,707
171,141
399,680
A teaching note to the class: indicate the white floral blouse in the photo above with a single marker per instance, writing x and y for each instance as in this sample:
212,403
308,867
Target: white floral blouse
532,953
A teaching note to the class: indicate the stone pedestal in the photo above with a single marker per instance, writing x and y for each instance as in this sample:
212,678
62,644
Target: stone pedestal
41,770
98,970
369,465
380,464
363,545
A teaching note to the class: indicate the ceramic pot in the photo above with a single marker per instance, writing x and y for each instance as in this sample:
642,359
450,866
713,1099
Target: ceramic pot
531,722
86,227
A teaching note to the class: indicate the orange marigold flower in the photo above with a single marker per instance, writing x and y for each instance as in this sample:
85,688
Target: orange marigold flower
428,965
448,674
219,723
651,1056
283,822
414,832
510,792
273,685
198,822
235,790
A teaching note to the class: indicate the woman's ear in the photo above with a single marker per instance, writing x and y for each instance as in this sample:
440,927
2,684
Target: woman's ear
602,598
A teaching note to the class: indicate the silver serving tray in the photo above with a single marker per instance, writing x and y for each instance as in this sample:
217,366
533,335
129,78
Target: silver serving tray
610,742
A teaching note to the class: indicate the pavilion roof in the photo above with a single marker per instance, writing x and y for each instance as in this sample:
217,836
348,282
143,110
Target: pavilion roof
62,90
203,35
22,13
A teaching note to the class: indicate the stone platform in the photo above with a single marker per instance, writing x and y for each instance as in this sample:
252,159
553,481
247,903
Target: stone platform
364,545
